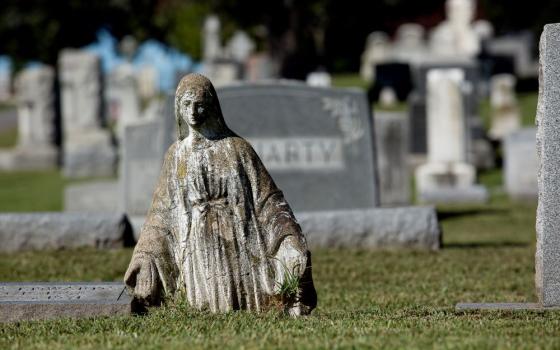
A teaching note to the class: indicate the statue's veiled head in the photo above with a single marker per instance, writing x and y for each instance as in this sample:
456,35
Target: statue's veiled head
197,107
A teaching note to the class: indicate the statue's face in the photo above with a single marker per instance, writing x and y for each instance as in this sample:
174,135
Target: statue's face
193,109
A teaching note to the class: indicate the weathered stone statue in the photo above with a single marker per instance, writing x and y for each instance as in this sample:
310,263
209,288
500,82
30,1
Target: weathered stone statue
219,230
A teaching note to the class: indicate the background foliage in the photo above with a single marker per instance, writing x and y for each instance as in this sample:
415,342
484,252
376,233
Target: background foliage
330,33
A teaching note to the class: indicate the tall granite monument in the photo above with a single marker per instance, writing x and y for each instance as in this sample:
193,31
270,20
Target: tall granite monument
88,149
547,261
547,256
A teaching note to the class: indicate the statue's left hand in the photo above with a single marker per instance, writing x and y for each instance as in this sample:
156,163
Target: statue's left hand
142,276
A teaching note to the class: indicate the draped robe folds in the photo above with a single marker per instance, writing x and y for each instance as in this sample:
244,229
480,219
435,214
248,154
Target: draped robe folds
220,230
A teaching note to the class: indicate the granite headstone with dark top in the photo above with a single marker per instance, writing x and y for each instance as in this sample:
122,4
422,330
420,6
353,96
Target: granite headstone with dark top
417,99
394,75
317,143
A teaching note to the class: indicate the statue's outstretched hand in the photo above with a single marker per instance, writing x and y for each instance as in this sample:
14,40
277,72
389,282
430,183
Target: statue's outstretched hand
142,277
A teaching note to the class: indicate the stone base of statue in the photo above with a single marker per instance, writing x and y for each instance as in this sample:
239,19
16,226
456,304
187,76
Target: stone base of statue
29,158
448,183
89,154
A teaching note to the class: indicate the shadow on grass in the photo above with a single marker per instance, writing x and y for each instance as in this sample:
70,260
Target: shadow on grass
450,214
469,245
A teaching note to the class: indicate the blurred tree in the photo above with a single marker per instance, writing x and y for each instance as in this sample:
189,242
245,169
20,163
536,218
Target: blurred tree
38,29
303,33
182,21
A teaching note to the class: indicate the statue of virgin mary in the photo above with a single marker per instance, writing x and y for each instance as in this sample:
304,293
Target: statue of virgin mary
219,230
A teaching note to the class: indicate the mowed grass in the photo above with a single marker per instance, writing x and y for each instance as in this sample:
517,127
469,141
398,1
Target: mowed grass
23,191
8,138
367,299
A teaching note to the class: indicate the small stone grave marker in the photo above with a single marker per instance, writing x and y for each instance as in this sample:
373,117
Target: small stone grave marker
49,300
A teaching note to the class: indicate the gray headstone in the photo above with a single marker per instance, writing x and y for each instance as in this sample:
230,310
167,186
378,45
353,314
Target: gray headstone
547,260
317,143
23,301
39,231
88,148
81,89
520,164
403,227
36,107
223,72
143,148
260,67
391,135
36,149
240,46
211,41
122,96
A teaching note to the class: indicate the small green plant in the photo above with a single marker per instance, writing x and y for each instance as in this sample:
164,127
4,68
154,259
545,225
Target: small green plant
289,287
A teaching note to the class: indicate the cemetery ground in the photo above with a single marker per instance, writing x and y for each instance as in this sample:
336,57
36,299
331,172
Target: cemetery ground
383,298
387,298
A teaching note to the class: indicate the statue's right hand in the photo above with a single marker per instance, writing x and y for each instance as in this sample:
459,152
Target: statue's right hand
142,276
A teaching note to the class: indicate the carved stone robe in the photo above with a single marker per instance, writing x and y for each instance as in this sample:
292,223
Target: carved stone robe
220,230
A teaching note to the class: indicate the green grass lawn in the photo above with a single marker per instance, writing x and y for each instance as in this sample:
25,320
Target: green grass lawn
8,138
391,298
31,191
349,80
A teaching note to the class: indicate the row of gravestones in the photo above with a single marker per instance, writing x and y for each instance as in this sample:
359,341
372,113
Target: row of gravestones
33,300
315,142
476,147
87,105
319,146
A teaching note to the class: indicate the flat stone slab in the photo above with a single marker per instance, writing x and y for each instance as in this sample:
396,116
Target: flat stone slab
476,194
24,301
37,231
503,307
400,227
